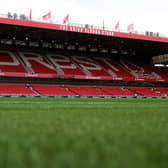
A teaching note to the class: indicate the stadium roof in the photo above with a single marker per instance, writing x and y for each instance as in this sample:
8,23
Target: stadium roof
142,45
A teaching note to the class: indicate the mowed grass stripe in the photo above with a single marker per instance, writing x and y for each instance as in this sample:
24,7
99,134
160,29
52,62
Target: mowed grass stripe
55,102
84,103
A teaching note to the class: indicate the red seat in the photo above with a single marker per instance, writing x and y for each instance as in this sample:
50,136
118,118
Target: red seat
15,89
87,91
145,91
52,90
117,91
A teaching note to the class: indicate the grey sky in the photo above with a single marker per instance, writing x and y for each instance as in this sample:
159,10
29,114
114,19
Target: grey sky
145,14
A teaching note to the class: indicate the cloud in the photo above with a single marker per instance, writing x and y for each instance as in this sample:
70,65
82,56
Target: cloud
146,15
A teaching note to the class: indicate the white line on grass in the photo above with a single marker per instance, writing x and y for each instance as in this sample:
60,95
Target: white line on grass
60,102
72,102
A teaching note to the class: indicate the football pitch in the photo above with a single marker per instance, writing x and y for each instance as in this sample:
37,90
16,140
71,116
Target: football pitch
83,133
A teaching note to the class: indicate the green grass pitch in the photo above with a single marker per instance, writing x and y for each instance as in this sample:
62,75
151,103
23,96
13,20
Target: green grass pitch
83,133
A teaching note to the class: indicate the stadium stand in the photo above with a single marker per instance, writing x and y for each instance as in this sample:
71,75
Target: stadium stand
87,91
64,65
81,67
57,60
117,91
36,63
77,66
16,89
10,63
50,90
162,91
114,68
80,90
149,92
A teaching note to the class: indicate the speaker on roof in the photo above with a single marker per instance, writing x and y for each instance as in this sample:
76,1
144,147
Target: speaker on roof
15,16
151,34
157,34
9,15
22,17
147,33
86,25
